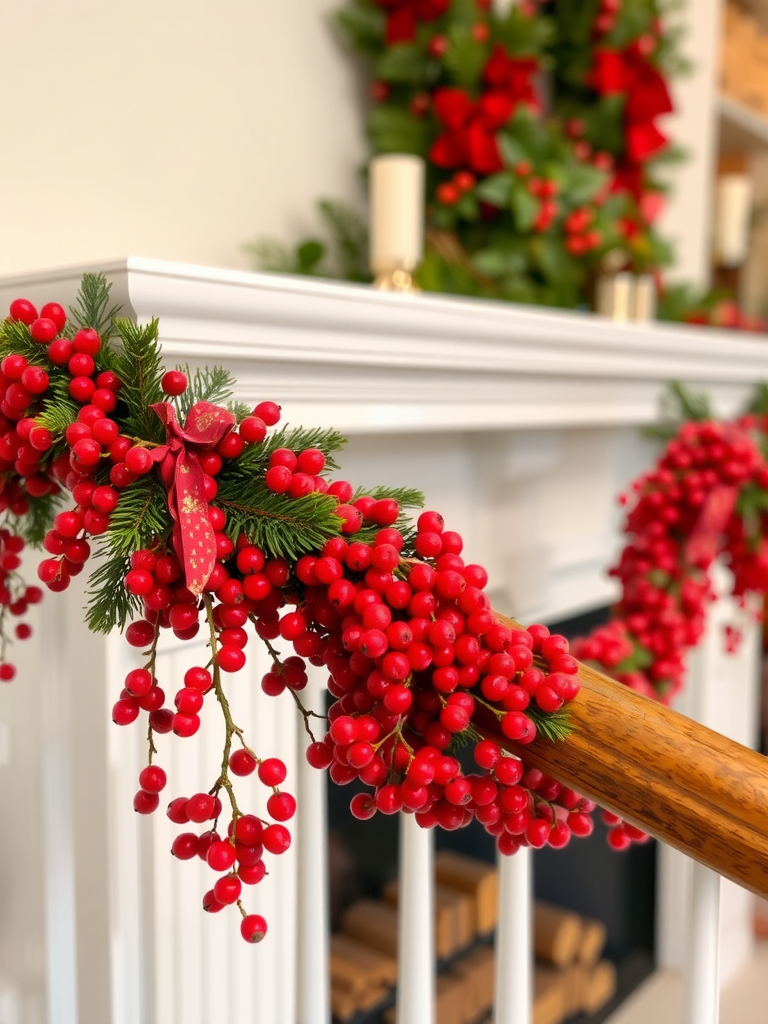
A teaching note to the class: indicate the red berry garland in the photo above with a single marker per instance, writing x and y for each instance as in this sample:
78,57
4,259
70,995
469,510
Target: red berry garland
414,653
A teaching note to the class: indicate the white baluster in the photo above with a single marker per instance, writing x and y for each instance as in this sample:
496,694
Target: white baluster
416,925
513,996
701,978
58,817
313,926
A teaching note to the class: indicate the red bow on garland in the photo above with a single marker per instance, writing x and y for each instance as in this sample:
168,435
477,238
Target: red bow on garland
194,539
627,71
404,15
470,136
513,75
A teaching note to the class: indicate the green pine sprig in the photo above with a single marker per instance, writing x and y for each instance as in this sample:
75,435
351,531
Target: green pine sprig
553,726
140,519
138,365
204,384
281,526
91,308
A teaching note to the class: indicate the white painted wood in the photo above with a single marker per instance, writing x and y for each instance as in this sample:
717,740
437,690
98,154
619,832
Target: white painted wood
513,998
701,978
365,361
58,825
313,924
415,925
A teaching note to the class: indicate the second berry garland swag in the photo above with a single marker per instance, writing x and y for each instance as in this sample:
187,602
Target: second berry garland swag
206,516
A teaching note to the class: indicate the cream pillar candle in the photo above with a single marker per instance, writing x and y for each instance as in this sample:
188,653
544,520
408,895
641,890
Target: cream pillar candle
733,207
397,213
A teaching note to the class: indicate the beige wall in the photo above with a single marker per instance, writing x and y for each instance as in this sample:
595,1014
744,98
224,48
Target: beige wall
175,129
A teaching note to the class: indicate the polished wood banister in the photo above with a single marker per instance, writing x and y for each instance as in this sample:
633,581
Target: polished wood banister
692,788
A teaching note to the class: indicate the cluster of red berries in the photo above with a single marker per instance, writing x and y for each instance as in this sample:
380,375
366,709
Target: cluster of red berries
415,656
581,238
691,493
15,597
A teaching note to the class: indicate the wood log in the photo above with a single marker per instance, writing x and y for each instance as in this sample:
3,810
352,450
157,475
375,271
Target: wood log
557,934
357,966
593,936
373,923
549,1006
683,783
477,970
599,987
447,924
475,877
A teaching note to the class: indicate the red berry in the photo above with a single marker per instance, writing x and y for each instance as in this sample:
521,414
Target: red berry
184,846
242,763
221,856
253,928
276,839
269,412
87,341
174,382
43,330
152,779
272,771
23,310
145,803
281,806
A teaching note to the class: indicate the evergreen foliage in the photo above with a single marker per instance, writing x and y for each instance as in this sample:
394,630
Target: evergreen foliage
139,521
91,307
138,365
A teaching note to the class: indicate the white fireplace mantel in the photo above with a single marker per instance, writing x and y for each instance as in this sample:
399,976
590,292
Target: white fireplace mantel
519,424
365,362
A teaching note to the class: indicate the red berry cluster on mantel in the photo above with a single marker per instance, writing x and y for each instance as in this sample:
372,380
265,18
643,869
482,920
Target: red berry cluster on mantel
207,514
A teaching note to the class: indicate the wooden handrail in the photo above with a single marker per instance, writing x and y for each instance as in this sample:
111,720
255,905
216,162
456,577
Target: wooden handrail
683,783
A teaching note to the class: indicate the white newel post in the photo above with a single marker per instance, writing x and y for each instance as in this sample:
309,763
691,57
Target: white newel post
416,925
313,997
513,996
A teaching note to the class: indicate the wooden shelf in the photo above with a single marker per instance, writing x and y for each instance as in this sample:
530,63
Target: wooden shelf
740,127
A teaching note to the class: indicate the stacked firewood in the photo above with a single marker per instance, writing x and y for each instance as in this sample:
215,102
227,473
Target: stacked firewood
569,978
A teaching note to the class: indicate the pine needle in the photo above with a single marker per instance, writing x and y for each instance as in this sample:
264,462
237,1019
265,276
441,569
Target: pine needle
91,307
139,367
209,384
281,526
554,726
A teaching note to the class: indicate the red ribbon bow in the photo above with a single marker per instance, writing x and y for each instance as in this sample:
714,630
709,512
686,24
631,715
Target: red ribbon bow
194,539
470,136
404,16
513,75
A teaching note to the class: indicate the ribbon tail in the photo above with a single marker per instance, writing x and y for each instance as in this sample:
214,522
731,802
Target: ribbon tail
194,537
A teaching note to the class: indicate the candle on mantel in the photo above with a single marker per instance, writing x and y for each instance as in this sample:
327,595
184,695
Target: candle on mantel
733,208
397,219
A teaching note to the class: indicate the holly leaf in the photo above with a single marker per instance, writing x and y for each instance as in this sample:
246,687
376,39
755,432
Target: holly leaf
465,57
497,262
468,207
524,206
512,150
581,182
393,130
496,189
552,258
403,64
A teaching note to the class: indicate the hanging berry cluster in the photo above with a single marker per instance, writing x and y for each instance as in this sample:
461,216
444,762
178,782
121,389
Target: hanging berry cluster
206,517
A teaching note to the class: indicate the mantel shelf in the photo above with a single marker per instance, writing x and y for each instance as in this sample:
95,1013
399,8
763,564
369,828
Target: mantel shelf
361,360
